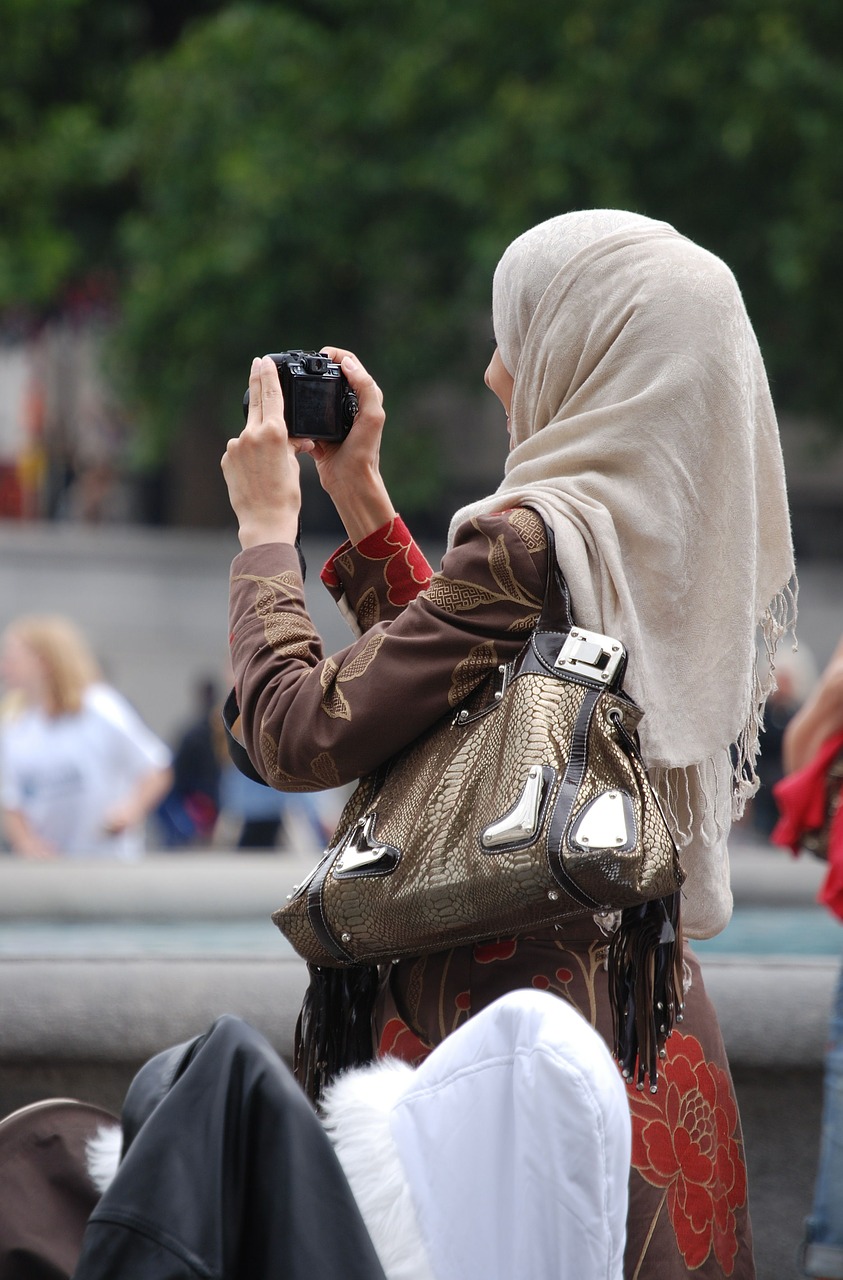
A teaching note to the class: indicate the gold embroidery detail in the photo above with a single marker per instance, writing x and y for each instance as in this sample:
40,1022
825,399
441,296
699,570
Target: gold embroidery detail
287,634
280,779
530,528
471,670
368,609
346,563
334,702
455,595
325,769
500,566
524,624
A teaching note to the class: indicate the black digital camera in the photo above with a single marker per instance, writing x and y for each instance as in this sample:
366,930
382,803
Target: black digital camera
318,402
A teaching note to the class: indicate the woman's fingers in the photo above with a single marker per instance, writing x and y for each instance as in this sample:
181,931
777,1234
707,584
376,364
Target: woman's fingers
369,394
265,398
265,431
272,401
255,394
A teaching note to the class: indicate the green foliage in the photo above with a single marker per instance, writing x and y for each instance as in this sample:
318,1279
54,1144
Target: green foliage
301,173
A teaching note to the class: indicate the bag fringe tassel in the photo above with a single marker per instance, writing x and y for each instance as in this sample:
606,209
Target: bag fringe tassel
645,987
334,1028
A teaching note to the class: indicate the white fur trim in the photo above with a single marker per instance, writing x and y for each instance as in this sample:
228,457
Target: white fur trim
102,1155
357,1115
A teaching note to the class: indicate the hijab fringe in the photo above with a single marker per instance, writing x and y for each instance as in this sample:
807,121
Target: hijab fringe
695,800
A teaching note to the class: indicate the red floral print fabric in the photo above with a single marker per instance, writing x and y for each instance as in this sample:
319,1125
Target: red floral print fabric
686,1139
406,571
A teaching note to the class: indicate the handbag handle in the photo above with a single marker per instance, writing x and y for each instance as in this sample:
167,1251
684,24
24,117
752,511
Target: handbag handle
556,609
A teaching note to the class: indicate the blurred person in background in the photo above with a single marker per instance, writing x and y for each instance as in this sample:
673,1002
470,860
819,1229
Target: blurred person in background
268,819
796,676
810,803
188,813
79,769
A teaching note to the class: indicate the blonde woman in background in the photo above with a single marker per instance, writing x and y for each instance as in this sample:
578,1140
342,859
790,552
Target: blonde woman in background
79,770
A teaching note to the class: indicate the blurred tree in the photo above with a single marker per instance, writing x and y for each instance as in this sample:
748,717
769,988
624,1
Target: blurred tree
272,175
63,180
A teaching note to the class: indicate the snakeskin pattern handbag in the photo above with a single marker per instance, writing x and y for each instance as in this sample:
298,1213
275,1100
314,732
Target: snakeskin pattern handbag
526,806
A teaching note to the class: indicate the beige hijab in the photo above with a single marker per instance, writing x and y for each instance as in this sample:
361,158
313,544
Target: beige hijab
644,433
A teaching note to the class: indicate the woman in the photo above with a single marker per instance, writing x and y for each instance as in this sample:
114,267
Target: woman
79,770
643,433
812,747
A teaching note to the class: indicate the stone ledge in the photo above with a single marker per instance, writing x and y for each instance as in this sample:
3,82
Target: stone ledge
773,1014
127,1010
161,887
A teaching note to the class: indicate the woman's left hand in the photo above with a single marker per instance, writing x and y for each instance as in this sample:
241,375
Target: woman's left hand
260,465
350,472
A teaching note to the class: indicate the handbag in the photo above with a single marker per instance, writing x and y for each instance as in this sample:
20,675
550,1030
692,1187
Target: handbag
527,805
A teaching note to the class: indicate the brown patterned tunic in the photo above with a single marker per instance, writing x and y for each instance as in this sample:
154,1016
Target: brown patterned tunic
311,722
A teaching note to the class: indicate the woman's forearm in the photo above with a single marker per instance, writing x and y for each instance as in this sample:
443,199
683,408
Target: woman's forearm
803,737
363,507
149,789
819,718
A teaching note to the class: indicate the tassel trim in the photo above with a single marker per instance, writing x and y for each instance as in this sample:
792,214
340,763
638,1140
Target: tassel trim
334,1028
645,987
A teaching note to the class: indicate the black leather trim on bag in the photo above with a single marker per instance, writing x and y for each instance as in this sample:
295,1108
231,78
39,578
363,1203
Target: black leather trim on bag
316,913
565,801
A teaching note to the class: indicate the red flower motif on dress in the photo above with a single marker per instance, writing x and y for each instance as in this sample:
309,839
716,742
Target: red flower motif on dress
406,571
488,952
684,1139
398,1041
543,983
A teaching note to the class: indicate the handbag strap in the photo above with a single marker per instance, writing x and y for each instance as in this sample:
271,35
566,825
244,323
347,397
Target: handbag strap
556,645
556,609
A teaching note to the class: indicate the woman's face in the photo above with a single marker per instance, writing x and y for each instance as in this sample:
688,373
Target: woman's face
500,380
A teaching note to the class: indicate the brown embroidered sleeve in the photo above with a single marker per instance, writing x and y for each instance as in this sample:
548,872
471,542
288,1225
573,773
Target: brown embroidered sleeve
373,581
311,722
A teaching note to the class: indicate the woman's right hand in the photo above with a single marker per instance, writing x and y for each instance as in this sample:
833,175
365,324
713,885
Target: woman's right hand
350,472
820,718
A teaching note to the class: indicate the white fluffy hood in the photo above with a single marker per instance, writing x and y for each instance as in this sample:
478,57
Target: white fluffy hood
505,1154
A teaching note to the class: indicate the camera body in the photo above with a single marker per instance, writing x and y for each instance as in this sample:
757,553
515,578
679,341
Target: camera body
318,402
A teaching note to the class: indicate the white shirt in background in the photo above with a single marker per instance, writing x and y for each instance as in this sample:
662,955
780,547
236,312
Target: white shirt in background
66,773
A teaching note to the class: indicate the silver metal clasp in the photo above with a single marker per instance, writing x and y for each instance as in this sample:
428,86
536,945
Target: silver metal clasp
589,654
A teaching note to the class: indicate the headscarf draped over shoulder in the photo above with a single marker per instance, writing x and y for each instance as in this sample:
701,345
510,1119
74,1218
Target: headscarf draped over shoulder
644,433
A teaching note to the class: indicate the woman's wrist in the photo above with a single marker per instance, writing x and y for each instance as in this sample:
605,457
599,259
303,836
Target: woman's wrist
254,533
363,507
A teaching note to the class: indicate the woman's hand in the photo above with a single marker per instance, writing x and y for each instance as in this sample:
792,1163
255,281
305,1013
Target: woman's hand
820,718
350,472
260,465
